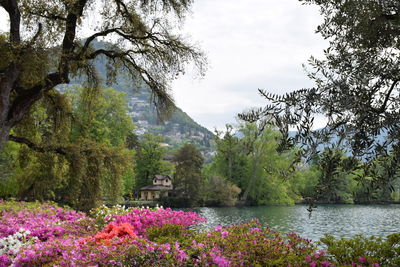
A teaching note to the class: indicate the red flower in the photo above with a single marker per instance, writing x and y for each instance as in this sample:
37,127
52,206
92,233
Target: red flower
123,230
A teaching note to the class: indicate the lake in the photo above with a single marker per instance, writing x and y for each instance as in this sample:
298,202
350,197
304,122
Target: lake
337,220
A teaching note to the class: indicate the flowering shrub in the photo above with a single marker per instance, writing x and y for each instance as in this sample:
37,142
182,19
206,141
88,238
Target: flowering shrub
24,224
170,234
46,221
362,251
12,243
142,219
46,235
113,230
104,215
250,244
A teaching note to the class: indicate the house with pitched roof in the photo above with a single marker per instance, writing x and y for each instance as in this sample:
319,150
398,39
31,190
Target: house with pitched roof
161,187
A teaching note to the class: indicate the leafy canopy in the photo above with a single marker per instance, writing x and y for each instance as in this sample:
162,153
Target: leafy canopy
356,83
49,42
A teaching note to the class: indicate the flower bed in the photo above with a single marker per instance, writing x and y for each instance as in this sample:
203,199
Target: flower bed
46,235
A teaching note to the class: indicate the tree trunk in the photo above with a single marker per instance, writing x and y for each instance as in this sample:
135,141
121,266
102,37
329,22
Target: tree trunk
16,102
4,133
7,81
10,75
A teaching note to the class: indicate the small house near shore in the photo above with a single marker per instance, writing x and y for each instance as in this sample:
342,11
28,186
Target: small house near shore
162,185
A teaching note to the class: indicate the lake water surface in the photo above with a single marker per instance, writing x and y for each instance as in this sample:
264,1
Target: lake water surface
337,220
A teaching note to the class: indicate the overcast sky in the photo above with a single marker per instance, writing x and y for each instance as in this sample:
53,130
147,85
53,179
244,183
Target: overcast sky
250,44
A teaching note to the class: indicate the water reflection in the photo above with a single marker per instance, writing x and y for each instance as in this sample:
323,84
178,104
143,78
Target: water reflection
337,220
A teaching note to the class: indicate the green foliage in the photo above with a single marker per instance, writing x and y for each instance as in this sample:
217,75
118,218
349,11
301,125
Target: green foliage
188,176
356,84
250,244
217,191
270,170
171,233
304,182
67,162
230,161
377,180
250,160
102,115
335,183
16,206
143,44
385,252
149,161
8,169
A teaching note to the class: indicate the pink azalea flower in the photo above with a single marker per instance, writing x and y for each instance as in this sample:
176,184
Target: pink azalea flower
218,228
224,234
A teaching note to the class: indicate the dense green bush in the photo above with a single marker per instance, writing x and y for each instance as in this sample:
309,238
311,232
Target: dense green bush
371,251
171,233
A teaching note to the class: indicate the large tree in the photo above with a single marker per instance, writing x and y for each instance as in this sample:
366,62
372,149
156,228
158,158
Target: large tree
230,160
149,161
188,176
47,44
357,82
90,162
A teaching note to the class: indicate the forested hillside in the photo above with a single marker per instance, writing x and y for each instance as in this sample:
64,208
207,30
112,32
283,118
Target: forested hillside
176,130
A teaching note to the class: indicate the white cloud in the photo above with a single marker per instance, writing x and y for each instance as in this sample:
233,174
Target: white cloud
250,44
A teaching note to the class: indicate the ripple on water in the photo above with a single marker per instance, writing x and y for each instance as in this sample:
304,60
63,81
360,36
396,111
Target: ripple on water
337,220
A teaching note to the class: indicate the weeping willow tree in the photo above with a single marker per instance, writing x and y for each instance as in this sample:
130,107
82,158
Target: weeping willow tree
67,160
50,42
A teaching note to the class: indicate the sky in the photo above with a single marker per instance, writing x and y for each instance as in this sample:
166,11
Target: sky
249,44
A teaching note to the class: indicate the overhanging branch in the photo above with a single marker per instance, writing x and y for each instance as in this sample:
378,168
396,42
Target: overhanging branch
37,148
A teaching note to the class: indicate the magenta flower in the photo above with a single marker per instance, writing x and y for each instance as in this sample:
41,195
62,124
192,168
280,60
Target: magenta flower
182,256
218,228
224,234
221,261
253,230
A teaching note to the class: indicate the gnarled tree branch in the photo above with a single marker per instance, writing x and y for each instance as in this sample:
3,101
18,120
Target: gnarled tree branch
11,6
38,148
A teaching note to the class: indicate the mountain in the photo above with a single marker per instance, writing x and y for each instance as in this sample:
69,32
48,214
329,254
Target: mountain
178,130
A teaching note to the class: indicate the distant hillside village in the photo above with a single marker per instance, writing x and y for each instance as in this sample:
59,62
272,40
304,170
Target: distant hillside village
178,130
